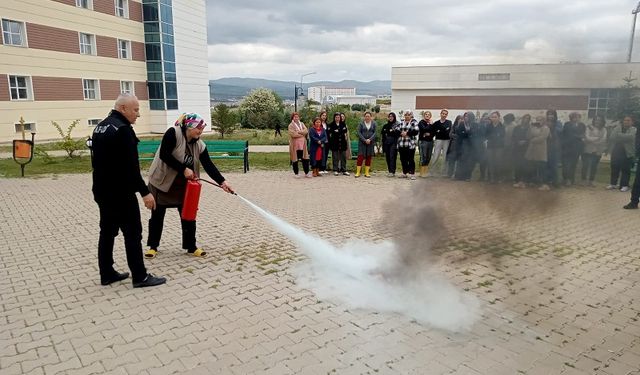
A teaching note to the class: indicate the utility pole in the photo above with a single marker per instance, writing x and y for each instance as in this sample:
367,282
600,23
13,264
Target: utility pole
633,30
296,95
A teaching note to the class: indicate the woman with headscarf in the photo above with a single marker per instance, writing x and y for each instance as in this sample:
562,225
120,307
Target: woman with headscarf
465,150
339,143
317,145
407,131
177,160
451,159
298,133
390,143
366,142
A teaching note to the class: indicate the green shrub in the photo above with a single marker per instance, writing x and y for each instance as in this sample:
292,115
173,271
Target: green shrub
69,144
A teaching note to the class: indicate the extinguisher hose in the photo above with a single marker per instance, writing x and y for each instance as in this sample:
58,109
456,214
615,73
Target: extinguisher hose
213,183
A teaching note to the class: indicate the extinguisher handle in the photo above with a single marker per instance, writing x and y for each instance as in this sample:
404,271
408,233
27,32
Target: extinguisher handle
214,184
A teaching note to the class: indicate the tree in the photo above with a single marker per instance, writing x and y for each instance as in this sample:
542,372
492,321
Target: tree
67,143
627,102
359,107
223,120
257,106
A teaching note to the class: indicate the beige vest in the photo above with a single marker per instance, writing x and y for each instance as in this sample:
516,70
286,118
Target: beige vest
161,175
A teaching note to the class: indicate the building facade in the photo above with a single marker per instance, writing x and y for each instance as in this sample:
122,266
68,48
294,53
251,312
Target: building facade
319,93
350,99
519,89
66,60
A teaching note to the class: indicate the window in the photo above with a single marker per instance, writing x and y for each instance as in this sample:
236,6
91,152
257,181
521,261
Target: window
86,4
124,49
494,77
87,44
91,89
126,87
122,8
93,121
29,127
599,101
20,88
13,33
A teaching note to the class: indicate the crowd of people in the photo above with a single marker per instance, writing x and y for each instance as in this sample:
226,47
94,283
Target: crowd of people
538,151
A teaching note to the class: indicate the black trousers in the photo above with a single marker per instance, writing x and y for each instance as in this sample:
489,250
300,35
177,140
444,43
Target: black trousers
569,163
520,167
305,163
339,160
407,158
120,214
635,191
390,155
156,224
590,166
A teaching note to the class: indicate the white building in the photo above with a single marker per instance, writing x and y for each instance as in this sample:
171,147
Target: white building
319,93
350,99
66,60
526,88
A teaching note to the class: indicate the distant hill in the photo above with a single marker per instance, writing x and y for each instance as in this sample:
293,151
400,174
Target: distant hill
235,88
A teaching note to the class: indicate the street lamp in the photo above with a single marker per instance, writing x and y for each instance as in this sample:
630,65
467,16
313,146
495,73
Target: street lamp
301,92
633,30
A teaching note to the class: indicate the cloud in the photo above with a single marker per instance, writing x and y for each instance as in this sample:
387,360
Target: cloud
363,40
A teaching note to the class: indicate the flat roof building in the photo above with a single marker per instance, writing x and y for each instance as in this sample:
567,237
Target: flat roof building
66,60
517,88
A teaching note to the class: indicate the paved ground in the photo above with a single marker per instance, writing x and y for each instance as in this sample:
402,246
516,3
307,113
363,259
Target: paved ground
557,273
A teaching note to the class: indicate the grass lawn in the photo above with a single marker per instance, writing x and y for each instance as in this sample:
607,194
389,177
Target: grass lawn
61,165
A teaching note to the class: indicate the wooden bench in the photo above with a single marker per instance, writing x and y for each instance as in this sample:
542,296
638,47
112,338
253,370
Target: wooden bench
217,150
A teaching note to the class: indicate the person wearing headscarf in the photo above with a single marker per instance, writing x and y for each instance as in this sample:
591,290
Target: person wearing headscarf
465,132
178,159
519,146
339,143
390,143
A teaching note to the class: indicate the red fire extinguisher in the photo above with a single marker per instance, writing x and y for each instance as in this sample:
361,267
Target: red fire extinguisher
191,198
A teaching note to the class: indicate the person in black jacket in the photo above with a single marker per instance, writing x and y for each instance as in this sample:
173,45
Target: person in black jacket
571,146
635,190
425,142
339,144
443,129
495,134
116,180
390,143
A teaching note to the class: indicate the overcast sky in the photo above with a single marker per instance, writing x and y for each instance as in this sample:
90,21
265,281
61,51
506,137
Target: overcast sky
362,40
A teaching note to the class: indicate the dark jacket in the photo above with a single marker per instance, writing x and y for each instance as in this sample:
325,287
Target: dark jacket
495,136
390,133
519,139
442,129
427,131
572,138
314,137
337,135
116,170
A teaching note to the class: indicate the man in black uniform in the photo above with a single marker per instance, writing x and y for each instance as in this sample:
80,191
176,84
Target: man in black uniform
116,179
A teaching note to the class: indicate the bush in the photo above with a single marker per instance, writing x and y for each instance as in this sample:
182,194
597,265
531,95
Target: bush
69,144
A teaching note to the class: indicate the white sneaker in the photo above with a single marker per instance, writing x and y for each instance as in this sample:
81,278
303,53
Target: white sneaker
308,175
346,173
296,176
413,177
611,187
335,173
402,176
624,189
